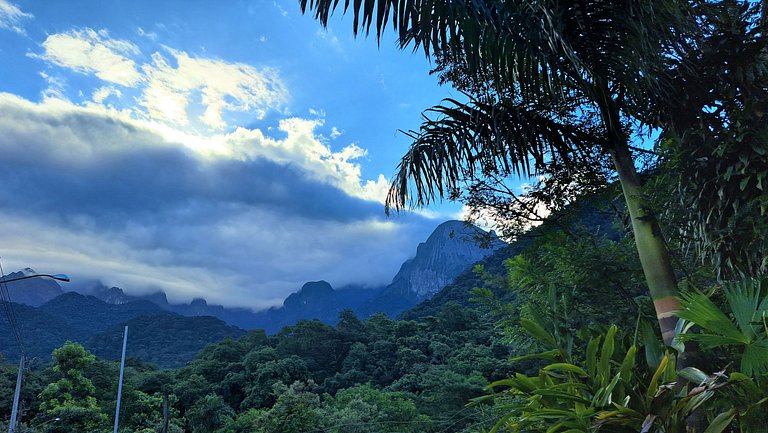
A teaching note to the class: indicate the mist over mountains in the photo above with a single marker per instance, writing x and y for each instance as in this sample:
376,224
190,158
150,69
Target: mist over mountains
96,315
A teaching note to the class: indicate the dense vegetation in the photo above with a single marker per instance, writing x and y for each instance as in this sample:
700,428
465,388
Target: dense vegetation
377,375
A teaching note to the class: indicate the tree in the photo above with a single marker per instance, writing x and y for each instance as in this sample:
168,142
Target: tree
569,78
716,138
208,414
70,400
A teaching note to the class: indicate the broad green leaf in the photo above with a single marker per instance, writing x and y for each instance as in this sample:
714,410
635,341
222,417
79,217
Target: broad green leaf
693,375
561,396
551,355
628,364
538,332
653,387
566,367
606,354
591,355
721,422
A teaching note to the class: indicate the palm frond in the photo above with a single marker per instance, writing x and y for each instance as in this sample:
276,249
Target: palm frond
699,309
744,301
747,303
539,45
469,140
754,360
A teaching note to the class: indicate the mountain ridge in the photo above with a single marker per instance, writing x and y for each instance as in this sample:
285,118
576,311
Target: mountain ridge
449,250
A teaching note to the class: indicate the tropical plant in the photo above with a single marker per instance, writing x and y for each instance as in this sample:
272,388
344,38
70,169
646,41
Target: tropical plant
568,77
715,138
746,329
604,388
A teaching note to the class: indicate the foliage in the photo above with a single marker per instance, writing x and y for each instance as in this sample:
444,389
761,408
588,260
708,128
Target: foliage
715,134
70,400
746,329
605,386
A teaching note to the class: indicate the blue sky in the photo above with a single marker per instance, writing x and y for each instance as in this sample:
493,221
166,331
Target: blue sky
231,150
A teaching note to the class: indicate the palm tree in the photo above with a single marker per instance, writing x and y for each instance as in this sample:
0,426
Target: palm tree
568,77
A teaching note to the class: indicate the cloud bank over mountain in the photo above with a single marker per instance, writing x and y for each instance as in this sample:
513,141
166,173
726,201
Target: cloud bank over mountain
161,169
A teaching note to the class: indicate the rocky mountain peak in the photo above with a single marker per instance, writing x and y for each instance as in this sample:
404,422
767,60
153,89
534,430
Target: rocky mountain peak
451,248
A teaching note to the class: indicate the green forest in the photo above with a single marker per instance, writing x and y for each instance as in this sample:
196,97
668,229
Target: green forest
633,297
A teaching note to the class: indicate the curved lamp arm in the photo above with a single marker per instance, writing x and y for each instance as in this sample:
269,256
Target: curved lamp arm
59,277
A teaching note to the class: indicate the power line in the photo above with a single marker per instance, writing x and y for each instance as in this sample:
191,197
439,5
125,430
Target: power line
10,314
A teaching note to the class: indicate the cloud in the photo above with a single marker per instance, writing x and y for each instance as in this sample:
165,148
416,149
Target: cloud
90,52
239,218
11,17
173,84
222,86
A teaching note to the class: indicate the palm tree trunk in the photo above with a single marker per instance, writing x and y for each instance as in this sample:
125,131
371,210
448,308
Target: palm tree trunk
654,257
651,248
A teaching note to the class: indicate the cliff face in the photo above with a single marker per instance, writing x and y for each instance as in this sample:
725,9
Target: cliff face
448,251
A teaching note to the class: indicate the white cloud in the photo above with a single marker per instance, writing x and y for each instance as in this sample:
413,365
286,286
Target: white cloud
145,34
175,84
11,17
102,93
54,88
222,86
171,86
316,112
91,52
301,147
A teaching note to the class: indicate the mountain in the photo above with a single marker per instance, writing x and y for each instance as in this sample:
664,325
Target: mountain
88,315
33,291
316,300
453,248
155,335
166,339
115,295
449,250
589,215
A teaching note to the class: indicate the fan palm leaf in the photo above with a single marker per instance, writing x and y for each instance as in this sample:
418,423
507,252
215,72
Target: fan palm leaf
748,305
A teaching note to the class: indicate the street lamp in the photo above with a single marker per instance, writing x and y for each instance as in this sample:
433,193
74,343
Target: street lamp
15,410
60,277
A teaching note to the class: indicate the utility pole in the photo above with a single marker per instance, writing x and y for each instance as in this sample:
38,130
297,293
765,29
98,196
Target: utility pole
16,395
5,299
120,384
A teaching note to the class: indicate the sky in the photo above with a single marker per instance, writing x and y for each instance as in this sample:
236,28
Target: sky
228,150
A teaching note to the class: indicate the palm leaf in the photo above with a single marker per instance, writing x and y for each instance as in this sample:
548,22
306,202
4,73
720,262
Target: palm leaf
699,309
536,45
469,140
754,360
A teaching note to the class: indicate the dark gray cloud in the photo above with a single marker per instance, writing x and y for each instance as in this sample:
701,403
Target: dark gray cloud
100,196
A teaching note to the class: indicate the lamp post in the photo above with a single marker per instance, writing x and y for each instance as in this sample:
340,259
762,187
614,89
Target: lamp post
60,277
17,393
